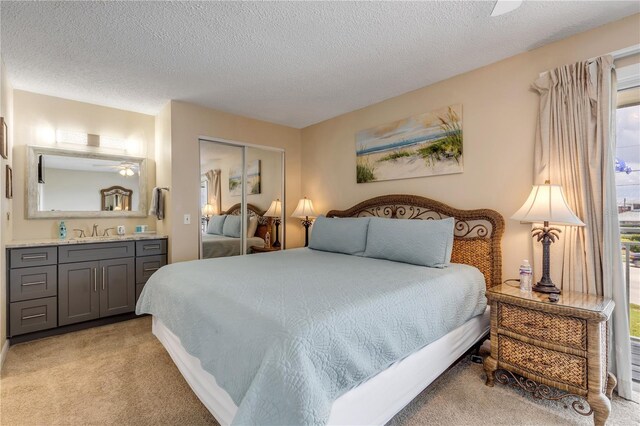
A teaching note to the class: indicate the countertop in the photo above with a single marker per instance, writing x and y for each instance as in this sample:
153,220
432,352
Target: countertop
86,240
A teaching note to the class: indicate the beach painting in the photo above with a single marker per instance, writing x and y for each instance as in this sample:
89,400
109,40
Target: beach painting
422,145
253,179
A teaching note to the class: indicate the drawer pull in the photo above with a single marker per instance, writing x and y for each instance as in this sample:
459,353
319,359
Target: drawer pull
103,276
534,362
153,247
532,325
150,269
33,283
33,256
95,279
33,316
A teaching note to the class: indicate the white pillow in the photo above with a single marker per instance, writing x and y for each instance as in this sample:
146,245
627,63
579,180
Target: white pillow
252,226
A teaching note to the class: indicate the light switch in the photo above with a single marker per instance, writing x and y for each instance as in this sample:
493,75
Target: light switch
187,219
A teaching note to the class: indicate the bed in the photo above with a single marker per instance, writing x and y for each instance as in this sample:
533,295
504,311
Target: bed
310,337
214,245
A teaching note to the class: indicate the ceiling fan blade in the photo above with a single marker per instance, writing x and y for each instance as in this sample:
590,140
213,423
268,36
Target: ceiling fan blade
505,6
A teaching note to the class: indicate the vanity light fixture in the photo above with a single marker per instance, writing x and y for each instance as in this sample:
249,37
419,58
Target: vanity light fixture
76,138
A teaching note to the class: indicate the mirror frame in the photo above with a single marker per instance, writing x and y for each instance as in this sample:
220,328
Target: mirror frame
32,184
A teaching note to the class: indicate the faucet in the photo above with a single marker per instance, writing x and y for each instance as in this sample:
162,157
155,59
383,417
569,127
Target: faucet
106,232
94,233
82,235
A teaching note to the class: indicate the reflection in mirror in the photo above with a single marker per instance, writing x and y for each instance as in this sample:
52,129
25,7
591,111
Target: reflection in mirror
64,183
221,187
116,198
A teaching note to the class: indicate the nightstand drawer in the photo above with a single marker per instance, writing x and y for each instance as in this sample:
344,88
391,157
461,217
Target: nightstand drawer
552,365
543,326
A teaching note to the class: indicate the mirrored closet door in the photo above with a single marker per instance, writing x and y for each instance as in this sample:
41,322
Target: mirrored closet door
241,199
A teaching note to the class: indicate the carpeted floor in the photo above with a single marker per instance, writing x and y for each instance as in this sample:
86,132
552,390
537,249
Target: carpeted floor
120,374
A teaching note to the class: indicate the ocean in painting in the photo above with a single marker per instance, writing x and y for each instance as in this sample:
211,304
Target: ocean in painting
423,145
253,179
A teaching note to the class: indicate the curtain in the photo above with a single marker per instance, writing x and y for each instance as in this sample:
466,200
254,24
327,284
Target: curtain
214,189
575,147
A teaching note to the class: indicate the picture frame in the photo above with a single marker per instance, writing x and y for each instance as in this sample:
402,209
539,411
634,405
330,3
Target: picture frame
8,182
4,139
427,144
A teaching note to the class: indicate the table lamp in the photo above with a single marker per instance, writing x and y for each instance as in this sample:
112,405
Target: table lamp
546,204
208,210
305,212
275,211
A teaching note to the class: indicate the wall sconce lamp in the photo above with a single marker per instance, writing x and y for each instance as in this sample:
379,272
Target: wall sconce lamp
546,204
275,211
305,212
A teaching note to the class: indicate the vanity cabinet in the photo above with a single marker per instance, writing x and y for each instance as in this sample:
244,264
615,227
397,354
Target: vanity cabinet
69,284
90,290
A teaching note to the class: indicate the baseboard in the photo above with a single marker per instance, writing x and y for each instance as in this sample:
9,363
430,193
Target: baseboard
3,353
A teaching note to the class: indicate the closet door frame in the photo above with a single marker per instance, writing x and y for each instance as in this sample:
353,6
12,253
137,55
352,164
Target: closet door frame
243,200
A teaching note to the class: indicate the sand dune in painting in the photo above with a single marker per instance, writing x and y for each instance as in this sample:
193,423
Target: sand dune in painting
423,145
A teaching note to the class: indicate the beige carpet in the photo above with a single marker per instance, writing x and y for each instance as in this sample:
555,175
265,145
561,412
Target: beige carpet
120,374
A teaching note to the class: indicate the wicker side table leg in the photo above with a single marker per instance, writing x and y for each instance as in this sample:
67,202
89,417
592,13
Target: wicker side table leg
612,382
490,367
601,407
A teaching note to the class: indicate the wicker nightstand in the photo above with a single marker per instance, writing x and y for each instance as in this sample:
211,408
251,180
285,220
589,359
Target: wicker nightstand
258,249
538,346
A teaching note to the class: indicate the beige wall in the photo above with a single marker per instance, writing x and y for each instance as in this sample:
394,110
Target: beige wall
188,123
499,115
37,118
6,111
163,163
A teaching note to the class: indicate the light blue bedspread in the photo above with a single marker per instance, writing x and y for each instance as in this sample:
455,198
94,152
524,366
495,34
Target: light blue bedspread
287,333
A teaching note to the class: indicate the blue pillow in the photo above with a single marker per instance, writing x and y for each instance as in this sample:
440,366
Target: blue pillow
215,224
340,235
231,227
419,242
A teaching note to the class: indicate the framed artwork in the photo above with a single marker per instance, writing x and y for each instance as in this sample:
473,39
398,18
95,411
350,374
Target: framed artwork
253,179
4,139
8,182
422,145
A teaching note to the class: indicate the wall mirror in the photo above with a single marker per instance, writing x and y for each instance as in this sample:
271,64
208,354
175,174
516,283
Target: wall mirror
74,184
241,193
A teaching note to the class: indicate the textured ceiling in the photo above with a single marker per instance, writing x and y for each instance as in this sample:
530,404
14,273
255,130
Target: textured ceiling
294,63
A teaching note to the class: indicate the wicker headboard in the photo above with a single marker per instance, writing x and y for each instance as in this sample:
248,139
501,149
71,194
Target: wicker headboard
264,223
477,233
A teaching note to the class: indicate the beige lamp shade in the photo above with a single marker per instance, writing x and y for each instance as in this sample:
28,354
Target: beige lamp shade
546,203
304,209
275,209
208,210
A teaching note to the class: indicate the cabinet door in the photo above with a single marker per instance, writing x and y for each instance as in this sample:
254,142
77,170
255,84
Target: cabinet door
117,286
78,297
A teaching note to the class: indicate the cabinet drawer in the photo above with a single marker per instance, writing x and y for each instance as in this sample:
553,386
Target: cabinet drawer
33,256
146,266
547,363
33,315
98,251
151,247
551,328
33,283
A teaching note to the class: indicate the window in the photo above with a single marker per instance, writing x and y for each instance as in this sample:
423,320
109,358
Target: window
628,196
